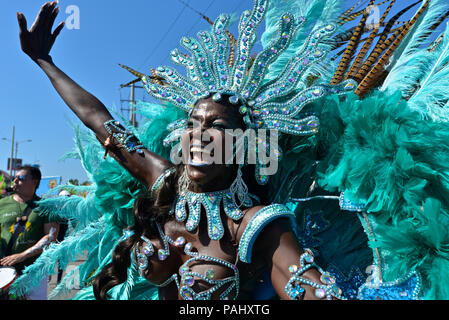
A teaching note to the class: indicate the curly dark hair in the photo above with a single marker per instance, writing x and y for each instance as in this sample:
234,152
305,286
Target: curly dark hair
147,212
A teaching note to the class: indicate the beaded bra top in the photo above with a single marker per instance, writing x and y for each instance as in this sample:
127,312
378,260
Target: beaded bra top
186,277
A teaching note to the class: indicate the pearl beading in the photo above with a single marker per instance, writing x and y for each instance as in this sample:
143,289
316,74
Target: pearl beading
326,290
211,202
257,223
125,137
406,288
349,205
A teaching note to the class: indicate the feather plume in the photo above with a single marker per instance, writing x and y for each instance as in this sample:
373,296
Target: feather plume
344,36
78,210
367,44
402,171
348,12
353,16
408,69
433,72
378,73
350,49
316,13
70,250
383,43
420,33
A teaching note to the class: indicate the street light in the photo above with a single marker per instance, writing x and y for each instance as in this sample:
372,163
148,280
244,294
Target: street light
12,150
13,162
17,147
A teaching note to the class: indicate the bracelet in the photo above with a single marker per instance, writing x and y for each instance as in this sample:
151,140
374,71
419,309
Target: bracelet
125,138
326,290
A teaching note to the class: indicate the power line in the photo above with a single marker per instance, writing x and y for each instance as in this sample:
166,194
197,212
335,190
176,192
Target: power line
195,23
163,38
199,19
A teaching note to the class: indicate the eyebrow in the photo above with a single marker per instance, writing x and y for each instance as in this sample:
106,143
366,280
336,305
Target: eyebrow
213,118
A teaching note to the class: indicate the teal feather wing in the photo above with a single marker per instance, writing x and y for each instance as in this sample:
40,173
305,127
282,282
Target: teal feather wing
386,153
97,220
71,249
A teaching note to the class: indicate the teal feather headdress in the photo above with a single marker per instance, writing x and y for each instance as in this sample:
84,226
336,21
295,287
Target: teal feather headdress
275,104
288,41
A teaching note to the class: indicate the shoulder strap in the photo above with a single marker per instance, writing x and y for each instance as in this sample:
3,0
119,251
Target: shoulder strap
160,180
259,221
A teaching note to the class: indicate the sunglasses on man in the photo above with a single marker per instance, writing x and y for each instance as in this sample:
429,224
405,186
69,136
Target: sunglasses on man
20,178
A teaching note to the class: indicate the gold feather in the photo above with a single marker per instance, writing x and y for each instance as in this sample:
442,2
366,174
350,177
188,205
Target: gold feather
232,40
434,45
382,44
130,83
357,14
132,71
232,49
347,12
350,49
372,78
358,60
153,78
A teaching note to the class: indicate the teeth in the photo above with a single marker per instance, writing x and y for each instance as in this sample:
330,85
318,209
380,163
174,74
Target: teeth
201,150
197,149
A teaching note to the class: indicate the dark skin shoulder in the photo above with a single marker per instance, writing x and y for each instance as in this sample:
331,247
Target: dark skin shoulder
277,248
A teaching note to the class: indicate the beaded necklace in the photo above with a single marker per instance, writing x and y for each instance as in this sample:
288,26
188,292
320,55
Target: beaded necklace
188,208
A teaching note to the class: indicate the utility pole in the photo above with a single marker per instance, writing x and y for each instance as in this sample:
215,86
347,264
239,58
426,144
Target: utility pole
17,148
12,152
133,107
132,103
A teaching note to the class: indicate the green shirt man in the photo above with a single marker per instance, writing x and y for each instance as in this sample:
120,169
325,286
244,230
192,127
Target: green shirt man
34,231
29,232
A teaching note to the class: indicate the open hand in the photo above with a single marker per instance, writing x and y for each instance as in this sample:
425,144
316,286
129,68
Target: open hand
12,259
39,39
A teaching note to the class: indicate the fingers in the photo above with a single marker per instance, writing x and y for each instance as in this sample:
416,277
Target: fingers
52,12
53,16
22,22
58,30
38,17
41,19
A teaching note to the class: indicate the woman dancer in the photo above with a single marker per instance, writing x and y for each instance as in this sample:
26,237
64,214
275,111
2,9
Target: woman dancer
206,250
199,232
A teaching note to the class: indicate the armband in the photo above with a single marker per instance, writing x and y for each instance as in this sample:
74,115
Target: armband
125,138
326,290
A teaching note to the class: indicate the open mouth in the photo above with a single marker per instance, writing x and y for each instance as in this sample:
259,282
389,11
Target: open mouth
200,156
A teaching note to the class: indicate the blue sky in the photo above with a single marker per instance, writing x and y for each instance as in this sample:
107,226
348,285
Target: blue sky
138,33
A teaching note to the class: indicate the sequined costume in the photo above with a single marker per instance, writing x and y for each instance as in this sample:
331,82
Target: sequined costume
363,152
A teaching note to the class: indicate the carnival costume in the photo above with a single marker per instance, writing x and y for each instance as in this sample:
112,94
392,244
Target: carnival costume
363,154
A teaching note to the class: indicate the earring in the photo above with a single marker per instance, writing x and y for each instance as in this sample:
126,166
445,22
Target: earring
183,182
239,188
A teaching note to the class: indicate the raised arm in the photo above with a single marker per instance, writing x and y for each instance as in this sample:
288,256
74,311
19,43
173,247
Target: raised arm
37,42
